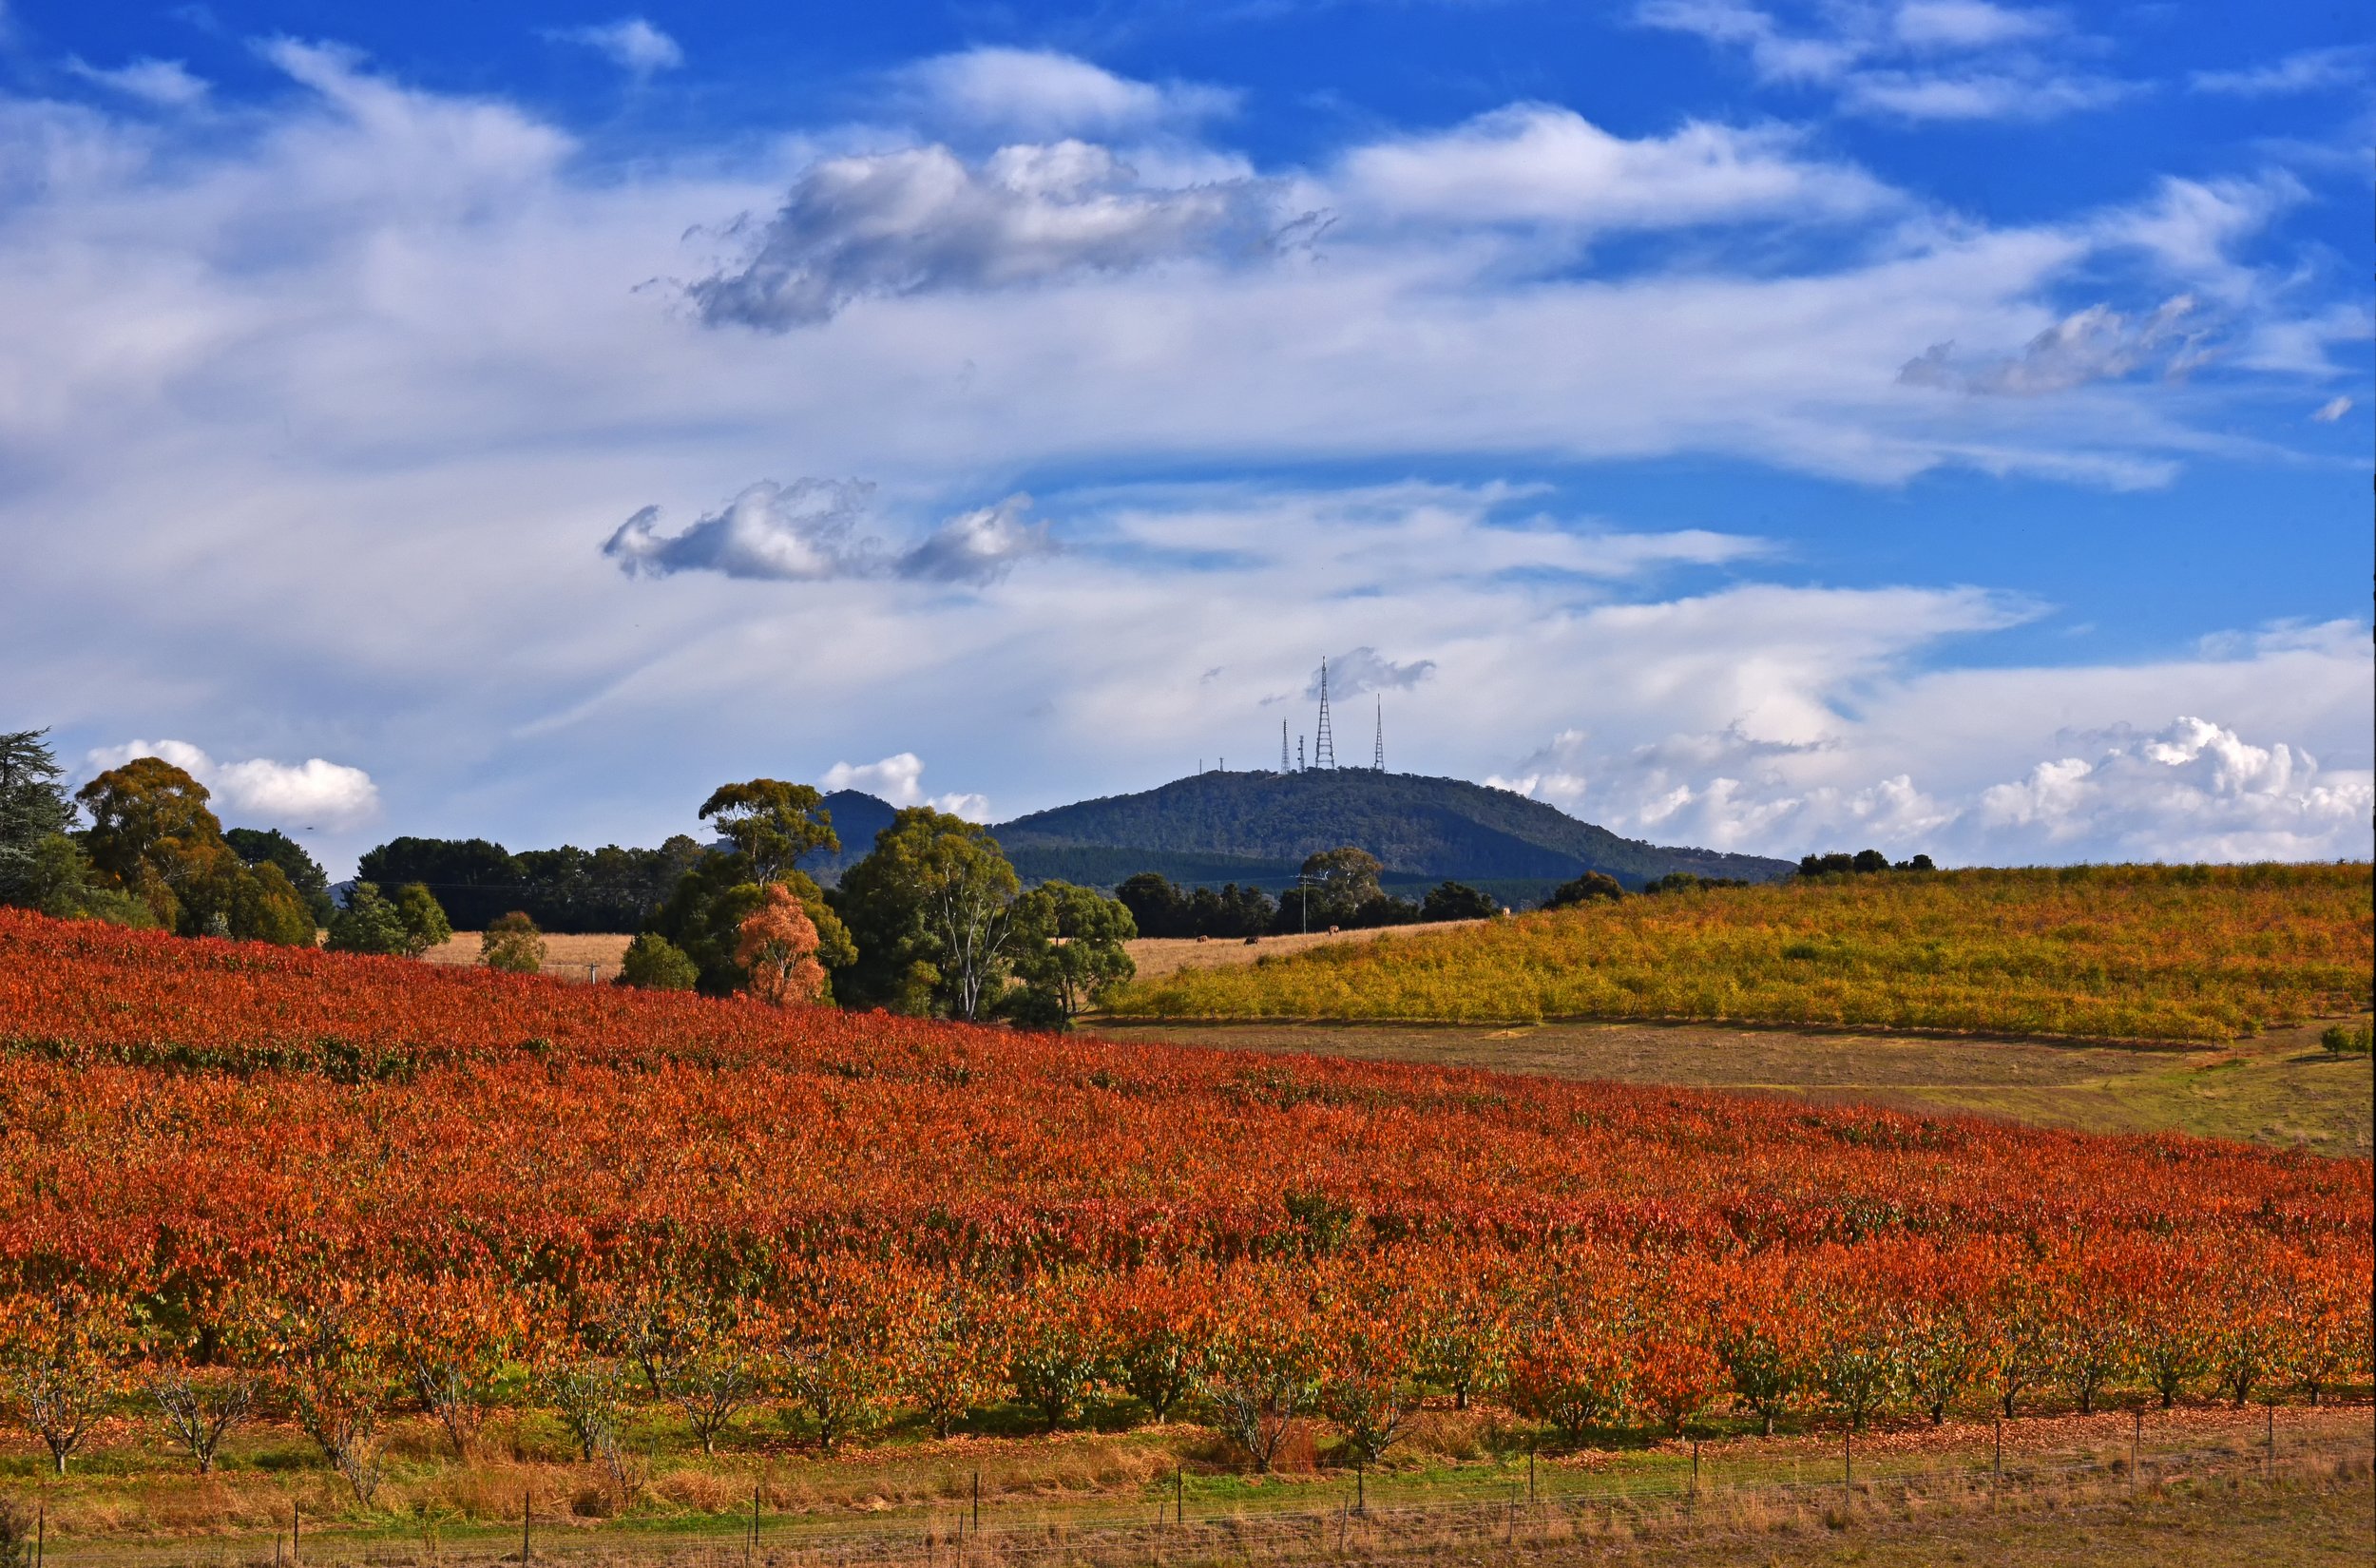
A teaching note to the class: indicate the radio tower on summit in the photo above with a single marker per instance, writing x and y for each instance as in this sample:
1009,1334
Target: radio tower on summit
1323,739
1377,758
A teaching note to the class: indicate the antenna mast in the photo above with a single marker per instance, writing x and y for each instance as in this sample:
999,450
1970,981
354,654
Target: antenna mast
1282,745
1377,760
1323,739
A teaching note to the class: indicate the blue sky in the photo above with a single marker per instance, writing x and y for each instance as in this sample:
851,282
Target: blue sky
1935,424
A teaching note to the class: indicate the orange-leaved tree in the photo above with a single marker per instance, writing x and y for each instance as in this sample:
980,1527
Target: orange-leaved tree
777,947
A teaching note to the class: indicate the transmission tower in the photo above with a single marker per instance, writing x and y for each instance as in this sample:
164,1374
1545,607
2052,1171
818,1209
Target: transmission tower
1299,754
1282,745
1377,758
1323,740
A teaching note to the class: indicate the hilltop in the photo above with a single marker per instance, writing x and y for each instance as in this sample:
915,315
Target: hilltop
1257,826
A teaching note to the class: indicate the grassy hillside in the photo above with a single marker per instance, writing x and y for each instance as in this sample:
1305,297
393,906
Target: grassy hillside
1431,828
2122,951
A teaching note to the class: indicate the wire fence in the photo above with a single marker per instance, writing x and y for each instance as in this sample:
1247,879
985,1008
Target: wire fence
1542,1513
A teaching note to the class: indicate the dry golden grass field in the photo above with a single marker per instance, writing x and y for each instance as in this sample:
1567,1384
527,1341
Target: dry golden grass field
2278,1088
565,957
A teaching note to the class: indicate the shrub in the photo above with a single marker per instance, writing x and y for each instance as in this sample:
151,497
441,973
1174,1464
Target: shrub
2348,1039
1585,889
512,943
655,963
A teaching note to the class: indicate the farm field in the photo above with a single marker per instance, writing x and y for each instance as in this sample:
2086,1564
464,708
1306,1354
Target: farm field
566,957
2132,952
2279,1088
437,1232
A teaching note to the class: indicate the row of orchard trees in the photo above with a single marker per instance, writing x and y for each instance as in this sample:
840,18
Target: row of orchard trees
1583,1340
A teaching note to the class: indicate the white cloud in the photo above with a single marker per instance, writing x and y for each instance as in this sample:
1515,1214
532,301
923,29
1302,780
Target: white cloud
1977,95
808,532
371,345
313,795
2307,70
1919,60
1038,95
2332,409
1969,24
922,220
1367,670
1541,164
979,545
2106,788
631,43
166,83
898,779
805,532
2095,344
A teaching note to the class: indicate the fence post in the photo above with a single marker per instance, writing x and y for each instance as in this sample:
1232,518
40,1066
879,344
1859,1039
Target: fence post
1180,1491
977,1501
41,1535
1361,1491
2269,1459
1996,1466
1695,1469
295,1555
1530,1472
2137,1438
525,1494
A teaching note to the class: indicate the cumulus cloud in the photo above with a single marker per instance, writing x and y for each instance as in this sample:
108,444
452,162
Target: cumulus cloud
1040,95
2194,789
923,220
167,83
807,531
2096,344
1917,60
1538,163
1366,670
978,547
898,779
802,533
313,794
631,43
2308,71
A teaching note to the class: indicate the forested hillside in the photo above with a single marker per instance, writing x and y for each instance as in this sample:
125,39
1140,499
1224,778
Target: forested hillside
1414,824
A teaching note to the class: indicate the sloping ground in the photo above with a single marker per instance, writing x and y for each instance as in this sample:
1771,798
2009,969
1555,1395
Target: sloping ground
2151,952
2279,1089
1439,828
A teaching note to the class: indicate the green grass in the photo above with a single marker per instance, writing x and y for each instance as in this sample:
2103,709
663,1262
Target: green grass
2280,1088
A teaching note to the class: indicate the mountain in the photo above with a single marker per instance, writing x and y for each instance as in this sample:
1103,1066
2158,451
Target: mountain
1423,829
857,816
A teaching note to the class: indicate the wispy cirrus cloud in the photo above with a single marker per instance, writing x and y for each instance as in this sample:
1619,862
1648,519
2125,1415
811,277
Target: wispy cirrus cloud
2306,70
1915,59
632,44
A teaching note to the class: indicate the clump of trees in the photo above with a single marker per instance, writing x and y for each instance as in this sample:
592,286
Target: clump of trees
1863,862
153,853
1592,887
1337,888
406,926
